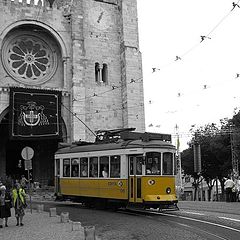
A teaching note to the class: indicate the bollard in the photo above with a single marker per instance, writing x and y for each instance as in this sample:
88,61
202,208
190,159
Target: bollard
64,217
40,208
52,212
76,226
89,232
68,226
81,234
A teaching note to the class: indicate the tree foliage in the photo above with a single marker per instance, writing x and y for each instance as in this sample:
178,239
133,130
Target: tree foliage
215,146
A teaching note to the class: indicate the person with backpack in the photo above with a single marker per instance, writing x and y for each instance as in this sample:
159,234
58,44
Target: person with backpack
19,203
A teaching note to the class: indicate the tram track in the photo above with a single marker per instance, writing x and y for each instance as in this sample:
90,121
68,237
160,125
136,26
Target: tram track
151,214
204,228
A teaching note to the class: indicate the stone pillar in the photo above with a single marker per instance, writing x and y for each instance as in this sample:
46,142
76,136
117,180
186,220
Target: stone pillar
131,59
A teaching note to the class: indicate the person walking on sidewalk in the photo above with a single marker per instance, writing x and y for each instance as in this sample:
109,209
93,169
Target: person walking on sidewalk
19,202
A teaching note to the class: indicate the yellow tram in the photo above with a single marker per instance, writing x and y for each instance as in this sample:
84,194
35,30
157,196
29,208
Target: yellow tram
130,169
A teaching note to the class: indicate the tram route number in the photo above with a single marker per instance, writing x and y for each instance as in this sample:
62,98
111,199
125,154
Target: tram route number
112,184
119,183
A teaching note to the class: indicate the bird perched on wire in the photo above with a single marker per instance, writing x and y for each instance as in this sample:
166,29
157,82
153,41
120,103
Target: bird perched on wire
235,5
178,58
155,69
203,38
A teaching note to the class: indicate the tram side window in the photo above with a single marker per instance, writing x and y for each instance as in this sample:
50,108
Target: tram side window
115,166
167,163
57,169
153,163
93,166
66,167
75,167
104,167
84,167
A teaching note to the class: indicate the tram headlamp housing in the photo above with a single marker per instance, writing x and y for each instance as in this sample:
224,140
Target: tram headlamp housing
168,190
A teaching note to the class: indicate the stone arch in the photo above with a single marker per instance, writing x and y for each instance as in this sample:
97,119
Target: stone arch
10,152
4,113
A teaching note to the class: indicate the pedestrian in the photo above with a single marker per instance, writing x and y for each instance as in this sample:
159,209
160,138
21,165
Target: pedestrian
19,203
2,202
229,185
8,206
23,182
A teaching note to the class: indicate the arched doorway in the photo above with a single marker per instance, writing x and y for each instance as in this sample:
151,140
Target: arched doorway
12,162
32,57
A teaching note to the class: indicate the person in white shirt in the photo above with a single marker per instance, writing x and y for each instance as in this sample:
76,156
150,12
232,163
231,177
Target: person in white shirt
229,185
105,172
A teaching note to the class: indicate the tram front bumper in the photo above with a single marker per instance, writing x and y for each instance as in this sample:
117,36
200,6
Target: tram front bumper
160,198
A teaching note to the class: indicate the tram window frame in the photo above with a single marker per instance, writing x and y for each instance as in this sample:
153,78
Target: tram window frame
57,167
82,165
167,165
175,163
95,175
115,171
78,166
65,171
104,163
153,163
139,165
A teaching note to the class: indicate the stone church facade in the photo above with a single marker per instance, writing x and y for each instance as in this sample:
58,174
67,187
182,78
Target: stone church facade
85,50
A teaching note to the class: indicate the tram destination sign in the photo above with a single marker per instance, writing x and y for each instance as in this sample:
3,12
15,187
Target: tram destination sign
34,113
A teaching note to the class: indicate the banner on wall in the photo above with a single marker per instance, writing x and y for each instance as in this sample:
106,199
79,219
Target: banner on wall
34,113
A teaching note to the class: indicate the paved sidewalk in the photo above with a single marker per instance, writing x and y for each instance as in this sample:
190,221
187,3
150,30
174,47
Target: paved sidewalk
38,226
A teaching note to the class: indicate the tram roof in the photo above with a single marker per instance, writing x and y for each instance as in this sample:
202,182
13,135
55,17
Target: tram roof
118,145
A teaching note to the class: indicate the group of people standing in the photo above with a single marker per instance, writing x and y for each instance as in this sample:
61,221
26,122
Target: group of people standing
232,190
12,197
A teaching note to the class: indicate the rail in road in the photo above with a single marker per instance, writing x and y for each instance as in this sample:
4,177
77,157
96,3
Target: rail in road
203,220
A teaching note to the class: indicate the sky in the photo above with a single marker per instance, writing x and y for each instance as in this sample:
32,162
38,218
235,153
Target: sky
203,86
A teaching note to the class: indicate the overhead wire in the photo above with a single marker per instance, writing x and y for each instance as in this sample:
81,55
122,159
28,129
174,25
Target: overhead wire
202,38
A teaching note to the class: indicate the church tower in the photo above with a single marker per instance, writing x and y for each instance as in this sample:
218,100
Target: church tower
68,68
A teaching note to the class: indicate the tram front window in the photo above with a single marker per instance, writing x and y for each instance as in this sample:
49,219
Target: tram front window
167,163
153,163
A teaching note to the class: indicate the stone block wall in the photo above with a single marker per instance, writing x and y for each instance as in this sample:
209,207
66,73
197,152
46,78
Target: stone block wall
86,32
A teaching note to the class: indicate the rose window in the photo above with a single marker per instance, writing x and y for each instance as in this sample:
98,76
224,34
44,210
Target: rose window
29,59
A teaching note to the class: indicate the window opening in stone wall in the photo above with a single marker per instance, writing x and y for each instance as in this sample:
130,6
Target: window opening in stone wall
105,73
51,2
101,73
97,72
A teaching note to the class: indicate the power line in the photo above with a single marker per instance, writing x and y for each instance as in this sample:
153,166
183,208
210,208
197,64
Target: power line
203,38
75,115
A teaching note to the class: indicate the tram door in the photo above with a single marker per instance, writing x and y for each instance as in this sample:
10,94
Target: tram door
135,178
57,175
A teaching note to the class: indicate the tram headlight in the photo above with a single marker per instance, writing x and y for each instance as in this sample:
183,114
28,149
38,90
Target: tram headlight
168,190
